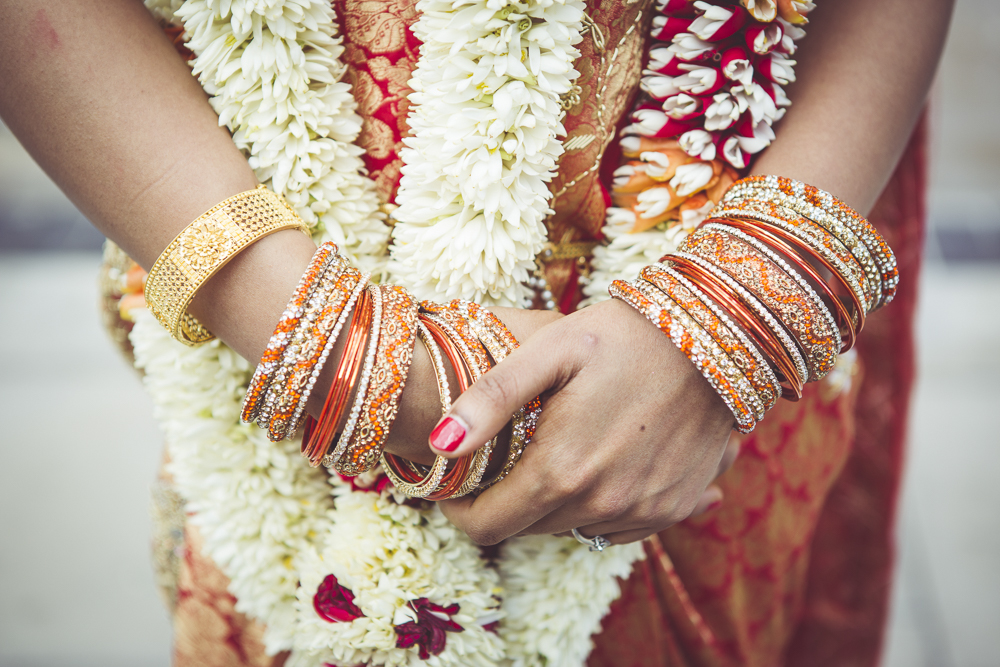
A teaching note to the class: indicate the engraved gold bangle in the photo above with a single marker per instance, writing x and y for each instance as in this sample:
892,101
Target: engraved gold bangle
203,248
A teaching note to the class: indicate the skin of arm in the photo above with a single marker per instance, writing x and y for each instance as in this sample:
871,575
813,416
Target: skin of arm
97,94
864,71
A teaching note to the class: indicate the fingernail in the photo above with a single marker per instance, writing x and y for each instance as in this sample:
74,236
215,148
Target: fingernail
447,435
714,505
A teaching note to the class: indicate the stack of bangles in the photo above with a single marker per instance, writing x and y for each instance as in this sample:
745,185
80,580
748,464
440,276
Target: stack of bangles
747,298
382,322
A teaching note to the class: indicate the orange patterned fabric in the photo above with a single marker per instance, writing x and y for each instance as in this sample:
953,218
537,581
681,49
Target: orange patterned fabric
208,631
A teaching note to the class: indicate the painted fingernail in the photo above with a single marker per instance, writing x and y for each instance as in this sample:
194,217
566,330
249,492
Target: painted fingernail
714,505
447,435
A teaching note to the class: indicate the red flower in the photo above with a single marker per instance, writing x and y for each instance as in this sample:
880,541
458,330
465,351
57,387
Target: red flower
335,603
428,631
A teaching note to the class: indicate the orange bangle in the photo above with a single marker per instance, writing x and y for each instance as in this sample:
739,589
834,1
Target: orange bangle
682,331
834,255
778,287
476,358
729,337
397,336
319,265
774,238
776,343
319,434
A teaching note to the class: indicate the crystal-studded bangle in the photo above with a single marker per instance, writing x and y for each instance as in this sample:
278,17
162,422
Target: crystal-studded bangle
477,360
289,321
778,287
756,319
833,254
744,391
306,363
500,342
394,466
302,343
203,248
396,338
670,320
865,243
795,251
713,319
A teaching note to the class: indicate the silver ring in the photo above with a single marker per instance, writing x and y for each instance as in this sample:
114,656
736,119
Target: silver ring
596,543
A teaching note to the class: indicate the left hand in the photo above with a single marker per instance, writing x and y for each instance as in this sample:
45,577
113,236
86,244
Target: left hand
630,435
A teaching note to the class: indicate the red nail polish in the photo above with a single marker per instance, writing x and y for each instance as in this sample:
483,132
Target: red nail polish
447,435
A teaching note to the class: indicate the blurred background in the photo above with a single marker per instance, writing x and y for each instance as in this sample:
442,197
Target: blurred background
80,449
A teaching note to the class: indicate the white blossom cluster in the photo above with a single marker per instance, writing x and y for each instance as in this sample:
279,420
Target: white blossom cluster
272,70
485,121
389,554
257,506
543,629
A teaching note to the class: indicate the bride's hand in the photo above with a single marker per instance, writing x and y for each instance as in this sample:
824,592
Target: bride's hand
630,435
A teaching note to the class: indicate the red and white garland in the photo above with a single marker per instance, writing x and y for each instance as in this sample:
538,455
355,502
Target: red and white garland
714,89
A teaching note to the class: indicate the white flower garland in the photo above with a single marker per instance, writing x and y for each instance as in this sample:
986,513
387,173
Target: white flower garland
276,527
474,195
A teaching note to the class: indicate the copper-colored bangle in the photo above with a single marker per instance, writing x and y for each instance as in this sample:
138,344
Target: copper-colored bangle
395,466
500,342
319,434
682,336
777,344
478,361
332,460
730,337
456,474
778,286
289,321
830,251
791,247
396,339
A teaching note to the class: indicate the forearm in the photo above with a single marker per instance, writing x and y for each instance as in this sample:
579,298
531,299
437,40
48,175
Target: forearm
863,75
100,98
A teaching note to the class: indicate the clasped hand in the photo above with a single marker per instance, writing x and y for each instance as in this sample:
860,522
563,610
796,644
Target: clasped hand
629,440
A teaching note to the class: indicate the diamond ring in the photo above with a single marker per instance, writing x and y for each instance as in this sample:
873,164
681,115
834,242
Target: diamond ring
596,543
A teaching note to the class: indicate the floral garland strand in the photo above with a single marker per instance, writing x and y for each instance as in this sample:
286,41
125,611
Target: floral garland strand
713,86
273,72
485,122
255,503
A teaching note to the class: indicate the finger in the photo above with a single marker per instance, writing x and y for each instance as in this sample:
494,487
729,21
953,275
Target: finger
620,537
729,456
479,413
711,499
568,516
505,509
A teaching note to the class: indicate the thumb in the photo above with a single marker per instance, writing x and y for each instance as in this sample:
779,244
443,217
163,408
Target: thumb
486,407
